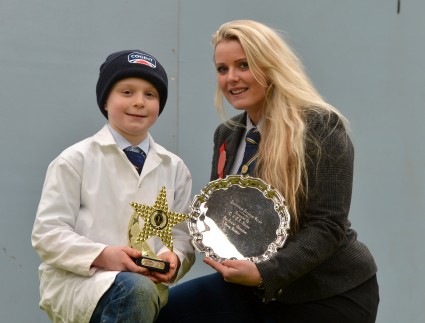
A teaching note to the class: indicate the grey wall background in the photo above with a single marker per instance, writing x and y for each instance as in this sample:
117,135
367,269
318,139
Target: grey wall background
363,56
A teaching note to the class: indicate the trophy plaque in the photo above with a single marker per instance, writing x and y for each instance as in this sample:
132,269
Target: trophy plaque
157,221
238,217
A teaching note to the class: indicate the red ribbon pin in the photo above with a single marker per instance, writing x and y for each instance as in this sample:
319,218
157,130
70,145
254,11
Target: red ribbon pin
221,161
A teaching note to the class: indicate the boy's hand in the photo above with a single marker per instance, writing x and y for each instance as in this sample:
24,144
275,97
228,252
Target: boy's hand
174,261
119,258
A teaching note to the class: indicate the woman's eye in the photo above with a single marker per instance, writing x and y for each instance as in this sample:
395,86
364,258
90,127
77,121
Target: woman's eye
221,69
244,65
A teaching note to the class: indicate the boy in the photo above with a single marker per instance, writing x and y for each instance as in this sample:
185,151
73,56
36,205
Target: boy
81,227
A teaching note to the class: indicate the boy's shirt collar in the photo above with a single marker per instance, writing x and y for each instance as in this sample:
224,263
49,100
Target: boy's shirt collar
123,143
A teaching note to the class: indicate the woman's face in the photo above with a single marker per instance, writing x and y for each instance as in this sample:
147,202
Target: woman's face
236,80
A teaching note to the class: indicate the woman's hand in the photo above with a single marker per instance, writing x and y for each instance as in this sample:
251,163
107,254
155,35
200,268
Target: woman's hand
241,272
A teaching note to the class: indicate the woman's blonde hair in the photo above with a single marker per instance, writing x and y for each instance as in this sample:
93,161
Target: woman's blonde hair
290,94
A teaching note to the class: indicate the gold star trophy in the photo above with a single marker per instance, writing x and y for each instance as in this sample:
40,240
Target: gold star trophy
158,221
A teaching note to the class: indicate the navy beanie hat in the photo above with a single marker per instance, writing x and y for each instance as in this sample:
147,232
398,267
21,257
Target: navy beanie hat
130,63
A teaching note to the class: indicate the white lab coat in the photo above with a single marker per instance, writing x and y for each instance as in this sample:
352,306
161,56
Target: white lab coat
85,206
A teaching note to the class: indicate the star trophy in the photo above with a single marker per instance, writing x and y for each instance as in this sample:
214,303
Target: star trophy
158,221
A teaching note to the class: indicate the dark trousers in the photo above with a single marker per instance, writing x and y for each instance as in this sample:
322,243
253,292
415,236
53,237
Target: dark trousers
210,299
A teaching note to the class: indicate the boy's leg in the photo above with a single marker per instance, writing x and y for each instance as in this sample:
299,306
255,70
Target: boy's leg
131,298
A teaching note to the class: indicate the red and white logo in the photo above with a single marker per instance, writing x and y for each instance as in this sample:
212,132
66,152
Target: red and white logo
142,58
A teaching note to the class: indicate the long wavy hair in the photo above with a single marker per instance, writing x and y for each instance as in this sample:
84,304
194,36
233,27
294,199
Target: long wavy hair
289,96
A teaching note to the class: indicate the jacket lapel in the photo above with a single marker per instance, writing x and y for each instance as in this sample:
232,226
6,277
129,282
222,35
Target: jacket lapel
233,141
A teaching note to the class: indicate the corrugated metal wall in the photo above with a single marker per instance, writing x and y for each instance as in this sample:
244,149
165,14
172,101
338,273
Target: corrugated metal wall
365,57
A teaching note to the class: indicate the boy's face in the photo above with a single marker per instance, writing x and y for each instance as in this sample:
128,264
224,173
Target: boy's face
132,107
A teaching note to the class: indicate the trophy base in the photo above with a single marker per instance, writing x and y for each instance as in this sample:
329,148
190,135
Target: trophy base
153,264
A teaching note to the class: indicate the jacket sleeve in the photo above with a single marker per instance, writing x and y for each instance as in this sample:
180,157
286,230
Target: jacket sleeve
324,216
53,235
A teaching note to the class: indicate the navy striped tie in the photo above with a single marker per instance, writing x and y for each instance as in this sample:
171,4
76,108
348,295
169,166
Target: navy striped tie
137,157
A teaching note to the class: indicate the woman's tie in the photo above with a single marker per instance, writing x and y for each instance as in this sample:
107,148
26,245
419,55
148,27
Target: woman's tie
252,139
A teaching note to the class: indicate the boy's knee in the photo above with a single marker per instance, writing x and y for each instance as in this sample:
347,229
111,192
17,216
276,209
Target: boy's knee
140,295
146,288
137,286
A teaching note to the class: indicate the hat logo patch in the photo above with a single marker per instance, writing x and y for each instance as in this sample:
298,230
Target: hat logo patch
140,58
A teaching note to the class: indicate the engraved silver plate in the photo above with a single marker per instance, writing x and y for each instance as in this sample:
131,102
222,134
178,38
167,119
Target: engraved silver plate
239,217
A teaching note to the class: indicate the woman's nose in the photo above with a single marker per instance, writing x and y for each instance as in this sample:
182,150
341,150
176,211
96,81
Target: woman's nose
232,75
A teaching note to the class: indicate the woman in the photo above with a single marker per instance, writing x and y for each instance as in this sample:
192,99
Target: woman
323,273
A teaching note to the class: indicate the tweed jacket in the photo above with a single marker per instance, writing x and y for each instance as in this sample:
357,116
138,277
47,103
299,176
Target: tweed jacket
324,258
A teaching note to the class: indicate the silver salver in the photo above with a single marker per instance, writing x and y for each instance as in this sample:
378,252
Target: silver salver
239,217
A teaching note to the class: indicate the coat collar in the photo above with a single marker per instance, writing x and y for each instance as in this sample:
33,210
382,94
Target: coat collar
157,154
